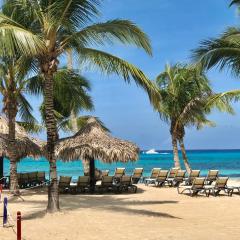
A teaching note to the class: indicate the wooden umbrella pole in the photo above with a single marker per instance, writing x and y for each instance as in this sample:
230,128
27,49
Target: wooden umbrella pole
1,170
92,174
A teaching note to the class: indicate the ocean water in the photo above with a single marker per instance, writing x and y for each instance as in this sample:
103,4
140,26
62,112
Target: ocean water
227,161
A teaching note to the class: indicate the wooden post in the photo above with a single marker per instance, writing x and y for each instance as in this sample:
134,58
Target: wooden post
1,170
5,211
1,187
92,174
19,227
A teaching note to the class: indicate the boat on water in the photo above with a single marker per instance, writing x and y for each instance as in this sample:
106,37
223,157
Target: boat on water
151,151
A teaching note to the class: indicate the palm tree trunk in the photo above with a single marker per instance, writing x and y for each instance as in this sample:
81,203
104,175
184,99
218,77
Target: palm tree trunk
73,117
10,107
53,194
11,151
184,154
175,152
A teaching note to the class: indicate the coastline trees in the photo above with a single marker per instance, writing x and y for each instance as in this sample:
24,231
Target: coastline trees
62,25
184,96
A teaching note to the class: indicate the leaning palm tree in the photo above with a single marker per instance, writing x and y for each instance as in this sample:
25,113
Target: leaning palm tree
184,92
63,25
12,88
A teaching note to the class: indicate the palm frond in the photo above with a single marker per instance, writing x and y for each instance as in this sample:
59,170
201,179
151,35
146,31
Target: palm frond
123,31
110,64
31,127
67,125
25,109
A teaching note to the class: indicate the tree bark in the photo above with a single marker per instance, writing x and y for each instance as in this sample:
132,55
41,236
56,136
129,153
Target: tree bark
175,152
10,108
184,154
51,125
73,117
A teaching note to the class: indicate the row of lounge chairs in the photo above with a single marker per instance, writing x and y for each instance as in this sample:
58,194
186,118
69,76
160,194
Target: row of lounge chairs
193,183
174,177
30,179
199,185
107,184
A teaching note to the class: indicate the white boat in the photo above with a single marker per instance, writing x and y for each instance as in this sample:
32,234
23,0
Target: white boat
151,151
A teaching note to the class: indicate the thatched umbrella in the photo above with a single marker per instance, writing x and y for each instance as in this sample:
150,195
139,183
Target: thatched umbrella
94,142
25,145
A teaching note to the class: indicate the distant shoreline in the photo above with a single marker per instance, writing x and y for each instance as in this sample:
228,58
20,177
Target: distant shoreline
201,149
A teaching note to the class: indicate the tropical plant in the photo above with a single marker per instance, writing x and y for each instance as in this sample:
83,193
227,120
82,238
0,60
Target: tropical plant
184,93
12,88
62,25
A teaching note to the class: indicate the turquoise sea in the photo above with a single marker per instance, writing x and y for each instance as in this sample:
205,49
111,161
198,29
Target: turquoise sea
227,161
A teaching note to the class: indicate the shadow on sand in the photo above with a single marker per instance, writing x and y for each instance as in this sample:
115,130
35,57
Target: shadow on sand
119,203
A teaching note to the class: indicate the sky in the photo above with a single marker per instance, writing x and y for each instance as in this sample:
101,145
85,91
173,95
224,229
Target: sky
175,28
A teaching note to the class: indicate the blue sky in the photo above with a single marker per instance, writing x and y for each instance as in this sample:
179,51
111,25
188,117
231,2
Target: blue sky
175,28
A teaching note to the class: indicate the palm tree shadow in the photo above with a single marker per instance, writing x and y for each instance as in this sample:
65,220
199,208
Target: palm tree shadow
110,202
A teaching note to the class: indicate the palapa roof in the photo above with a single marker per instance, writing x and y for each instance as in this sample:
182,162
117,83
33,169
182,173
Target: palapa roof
92,141
25,145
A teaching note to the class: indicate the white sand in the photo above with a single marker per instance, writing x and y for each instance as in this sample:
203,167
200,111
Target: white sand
152,213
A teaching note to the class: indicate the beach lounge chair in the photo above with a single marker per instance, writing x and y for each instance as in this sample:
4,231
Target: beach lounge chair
220,185
41,178
178,179
152,178
137,174
126,184
32,178
161,178
237,188
119,172
64,184
83,184
106,184
212,176
105,173
197,186
23,181
172,173
193,174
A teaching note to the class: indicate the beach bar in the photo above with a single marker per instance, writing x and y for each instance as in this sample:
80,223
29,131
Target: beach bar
94,142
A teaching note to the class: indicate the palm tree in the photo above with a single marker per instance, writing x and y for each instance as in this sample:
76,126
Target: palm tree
184,93
70,95
223,51
12,88
63,25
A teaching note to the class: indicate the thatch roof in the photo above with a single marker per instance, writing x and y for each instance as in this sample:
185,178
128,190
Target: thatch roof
25,145
92,141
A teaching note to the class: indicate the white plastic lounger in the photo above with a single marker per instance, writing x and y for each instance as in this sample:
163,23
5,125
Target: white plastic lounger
152,178
197,186
220,185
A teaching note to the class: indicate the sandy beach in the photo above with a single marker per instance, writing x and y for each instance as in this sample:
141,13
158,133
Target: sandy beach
153,213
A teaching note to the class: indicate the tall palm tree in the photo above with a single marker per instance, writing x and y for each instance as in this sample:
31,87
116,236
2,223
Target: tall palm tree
12,88
184,93
63,25
71,94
